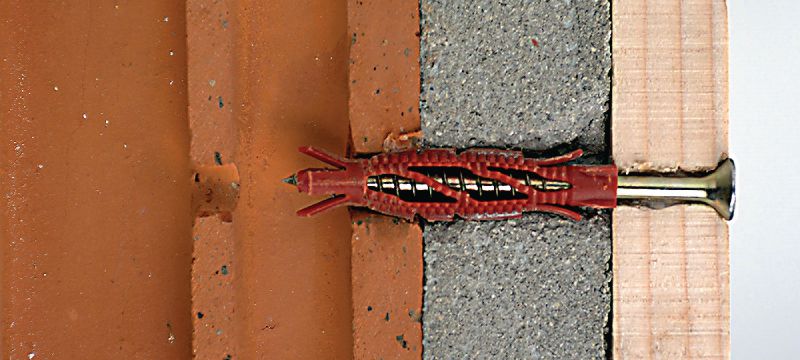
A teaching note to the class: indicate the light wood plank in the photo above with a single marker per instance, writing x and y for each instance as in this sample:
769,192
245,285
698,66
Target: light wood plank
670,110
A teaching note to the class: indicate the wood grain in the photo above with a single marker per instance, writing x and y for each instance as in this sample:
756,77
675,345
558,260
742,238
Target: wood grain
670,110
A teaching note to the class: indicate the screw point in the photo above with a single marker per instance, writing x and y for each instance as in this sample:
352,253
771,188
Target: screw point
291,180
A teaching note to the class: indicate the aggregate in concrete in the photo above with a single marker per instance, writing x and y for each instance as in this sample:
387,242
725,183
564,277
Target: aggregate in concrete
515,73
530,75
533,288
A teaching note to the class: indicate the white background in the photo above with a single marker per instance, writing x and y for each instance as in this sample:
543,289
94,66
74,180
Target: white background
764,125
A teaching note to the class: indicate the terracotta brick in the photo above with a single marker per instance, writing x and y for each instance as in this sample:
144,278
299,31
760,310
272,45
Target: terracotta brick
387,253
214,289
384,71
95,217
387,285
214,145
292,296
99,199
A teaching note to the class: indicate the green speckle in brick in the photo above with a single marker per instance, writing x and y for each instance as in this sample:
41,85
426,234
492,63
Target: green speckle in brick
386,317
217,158
224,270
402,341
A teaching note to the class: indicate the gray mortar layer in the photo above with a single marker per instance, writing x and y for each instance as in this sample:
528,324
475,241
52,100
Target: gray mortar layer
536,287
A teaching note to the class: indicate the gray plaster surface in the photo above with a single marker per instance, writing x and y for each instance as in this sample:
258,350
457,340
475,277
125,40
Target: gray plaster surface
536,287
486,84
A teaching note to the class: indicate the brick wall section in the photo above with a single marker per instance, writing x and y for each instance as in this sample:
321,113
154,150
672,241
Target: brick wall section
384,102
95,214
384,70
259,282
387,284
293,296
214,141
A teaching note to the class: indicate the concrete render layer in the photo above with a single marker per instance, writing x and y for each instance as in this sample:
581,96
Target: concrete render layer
528,75
535,288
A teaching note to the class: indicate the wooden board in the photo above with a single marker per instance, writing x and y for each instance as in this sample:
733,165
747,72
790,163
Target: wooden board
670,110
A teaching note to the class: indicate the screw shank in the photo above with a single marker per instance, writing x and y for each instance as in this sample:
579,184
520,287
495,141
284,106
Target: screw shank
716,190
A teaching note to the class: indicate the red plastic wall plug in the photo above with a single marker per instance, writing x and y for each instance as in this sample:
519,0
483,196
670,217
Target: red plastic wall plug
440,184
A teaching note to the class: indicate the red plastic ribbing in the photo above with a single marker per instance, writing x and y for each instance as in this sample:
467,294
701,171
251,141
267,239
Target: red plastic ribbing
592,186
